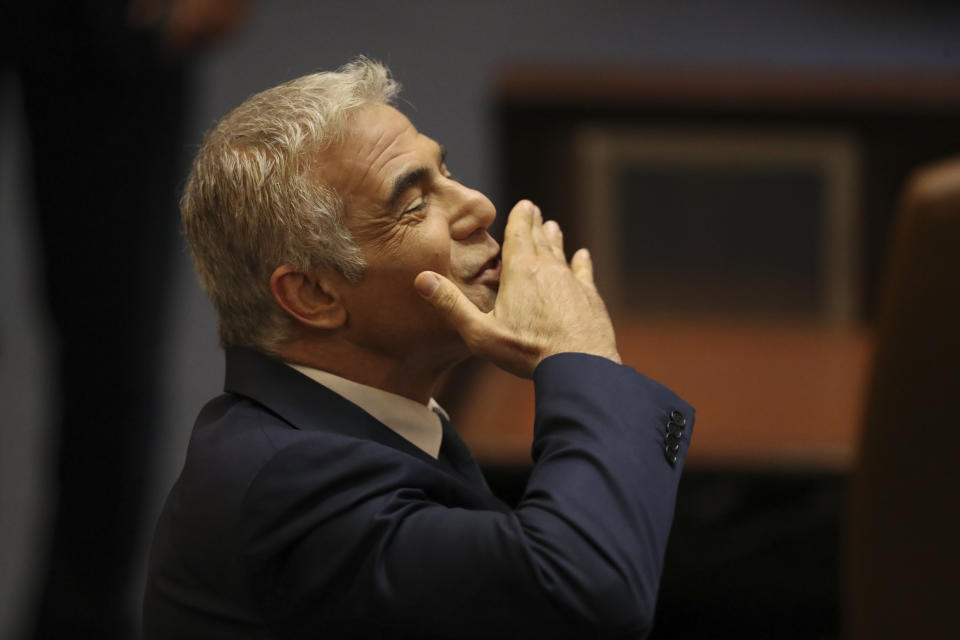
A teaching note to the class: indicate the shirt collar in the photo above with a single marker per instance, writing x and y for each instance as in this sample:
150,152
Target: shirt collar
419,424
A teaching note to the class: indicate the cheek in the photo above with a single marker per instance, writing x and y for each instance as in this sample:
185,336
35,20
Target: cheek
391,270
430,249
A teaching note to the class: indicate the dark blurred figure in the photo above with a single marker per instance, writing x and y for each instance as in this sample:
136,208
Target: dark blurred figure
104,93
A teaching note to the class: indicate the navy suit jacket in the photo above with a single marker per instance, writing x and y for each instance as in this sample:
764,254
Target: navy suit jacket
299,515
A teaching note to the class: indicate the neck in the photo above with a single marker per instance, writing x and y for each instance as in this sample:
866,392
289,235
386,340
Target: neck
414,376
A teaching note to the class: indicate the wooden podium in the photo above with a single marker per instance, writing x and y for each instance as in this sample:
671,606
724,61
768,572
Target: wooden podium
768,395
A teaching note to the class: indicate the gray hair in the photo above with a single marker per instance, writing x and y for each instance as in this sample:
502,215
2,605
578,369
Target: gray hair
252,201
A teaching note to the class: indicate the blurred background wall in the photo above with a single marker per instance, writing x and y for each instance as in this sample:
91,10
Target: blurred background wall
445,54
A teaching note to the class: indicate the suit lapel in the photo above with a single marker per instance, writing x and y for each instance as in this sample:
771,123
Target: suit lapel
454,452
307,405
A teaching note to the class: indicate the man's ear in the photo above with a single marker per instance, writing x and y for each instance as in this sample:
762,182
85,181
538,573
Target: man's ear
311,298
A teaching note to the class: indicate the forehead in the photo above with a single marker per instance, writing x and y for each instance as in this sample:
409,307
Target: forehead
380,144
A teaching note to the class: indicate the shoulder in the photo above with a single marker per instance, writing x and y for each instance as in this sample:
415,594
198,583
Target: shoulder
238,437
242,449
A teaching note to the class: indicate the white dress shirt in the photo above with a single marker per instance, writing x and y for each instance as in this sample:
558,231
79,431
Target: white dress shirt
415,422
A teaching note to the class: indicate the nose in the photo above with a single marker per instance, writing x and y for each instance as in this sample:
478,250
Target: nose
473,211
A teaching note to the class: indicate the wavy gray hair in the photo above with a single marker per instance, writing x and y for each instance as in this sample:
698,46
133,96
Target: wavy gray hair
252,202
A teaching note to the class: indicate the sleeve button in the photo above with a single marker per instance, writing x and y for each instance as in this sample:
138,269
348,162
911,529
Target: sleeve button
677,418
671,457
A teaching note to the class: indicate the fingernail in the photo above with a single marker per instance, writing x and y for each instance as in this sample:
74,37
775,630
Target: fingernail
426,283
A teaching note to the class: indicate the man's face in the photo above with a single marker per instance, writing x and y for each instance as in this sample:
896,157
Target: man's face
408,215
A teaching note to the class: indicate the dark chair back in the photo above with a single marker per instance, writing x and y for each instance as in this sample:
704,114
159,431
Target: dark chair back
902,551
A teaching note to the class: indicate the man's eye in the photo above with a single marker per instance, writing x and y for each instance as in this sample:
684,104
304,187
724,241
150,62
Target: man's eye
416,205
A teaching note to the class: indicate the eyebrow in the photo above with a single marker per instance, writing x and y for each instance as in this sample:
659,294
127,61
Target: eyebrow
411,178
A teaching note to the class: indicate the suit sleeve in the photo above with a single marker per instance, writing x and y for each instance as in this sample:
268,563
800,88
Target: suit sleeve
387,549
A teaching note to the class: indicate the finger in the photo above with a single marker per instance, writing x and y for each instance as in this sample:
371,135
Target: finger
582,267
452,304
555,237
516,235
540,242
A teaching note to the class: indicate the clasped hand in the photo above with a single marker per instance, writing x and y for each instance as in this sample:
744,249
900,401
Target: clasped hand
544,306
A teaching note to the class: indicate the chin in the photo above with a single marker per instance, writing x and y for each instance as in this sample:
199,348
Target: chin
485,298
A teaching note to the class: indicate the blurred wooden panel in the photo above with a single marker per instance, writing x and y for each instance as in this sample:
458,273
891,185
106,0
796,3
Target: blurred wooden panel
771,88
768,395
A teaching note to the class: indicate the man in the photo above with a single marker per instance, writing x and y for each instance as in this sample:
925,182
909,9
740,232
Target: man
321,496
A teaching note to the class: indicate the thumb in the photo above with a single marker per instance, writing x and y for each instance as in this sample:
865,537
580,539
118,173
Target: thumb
452,304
